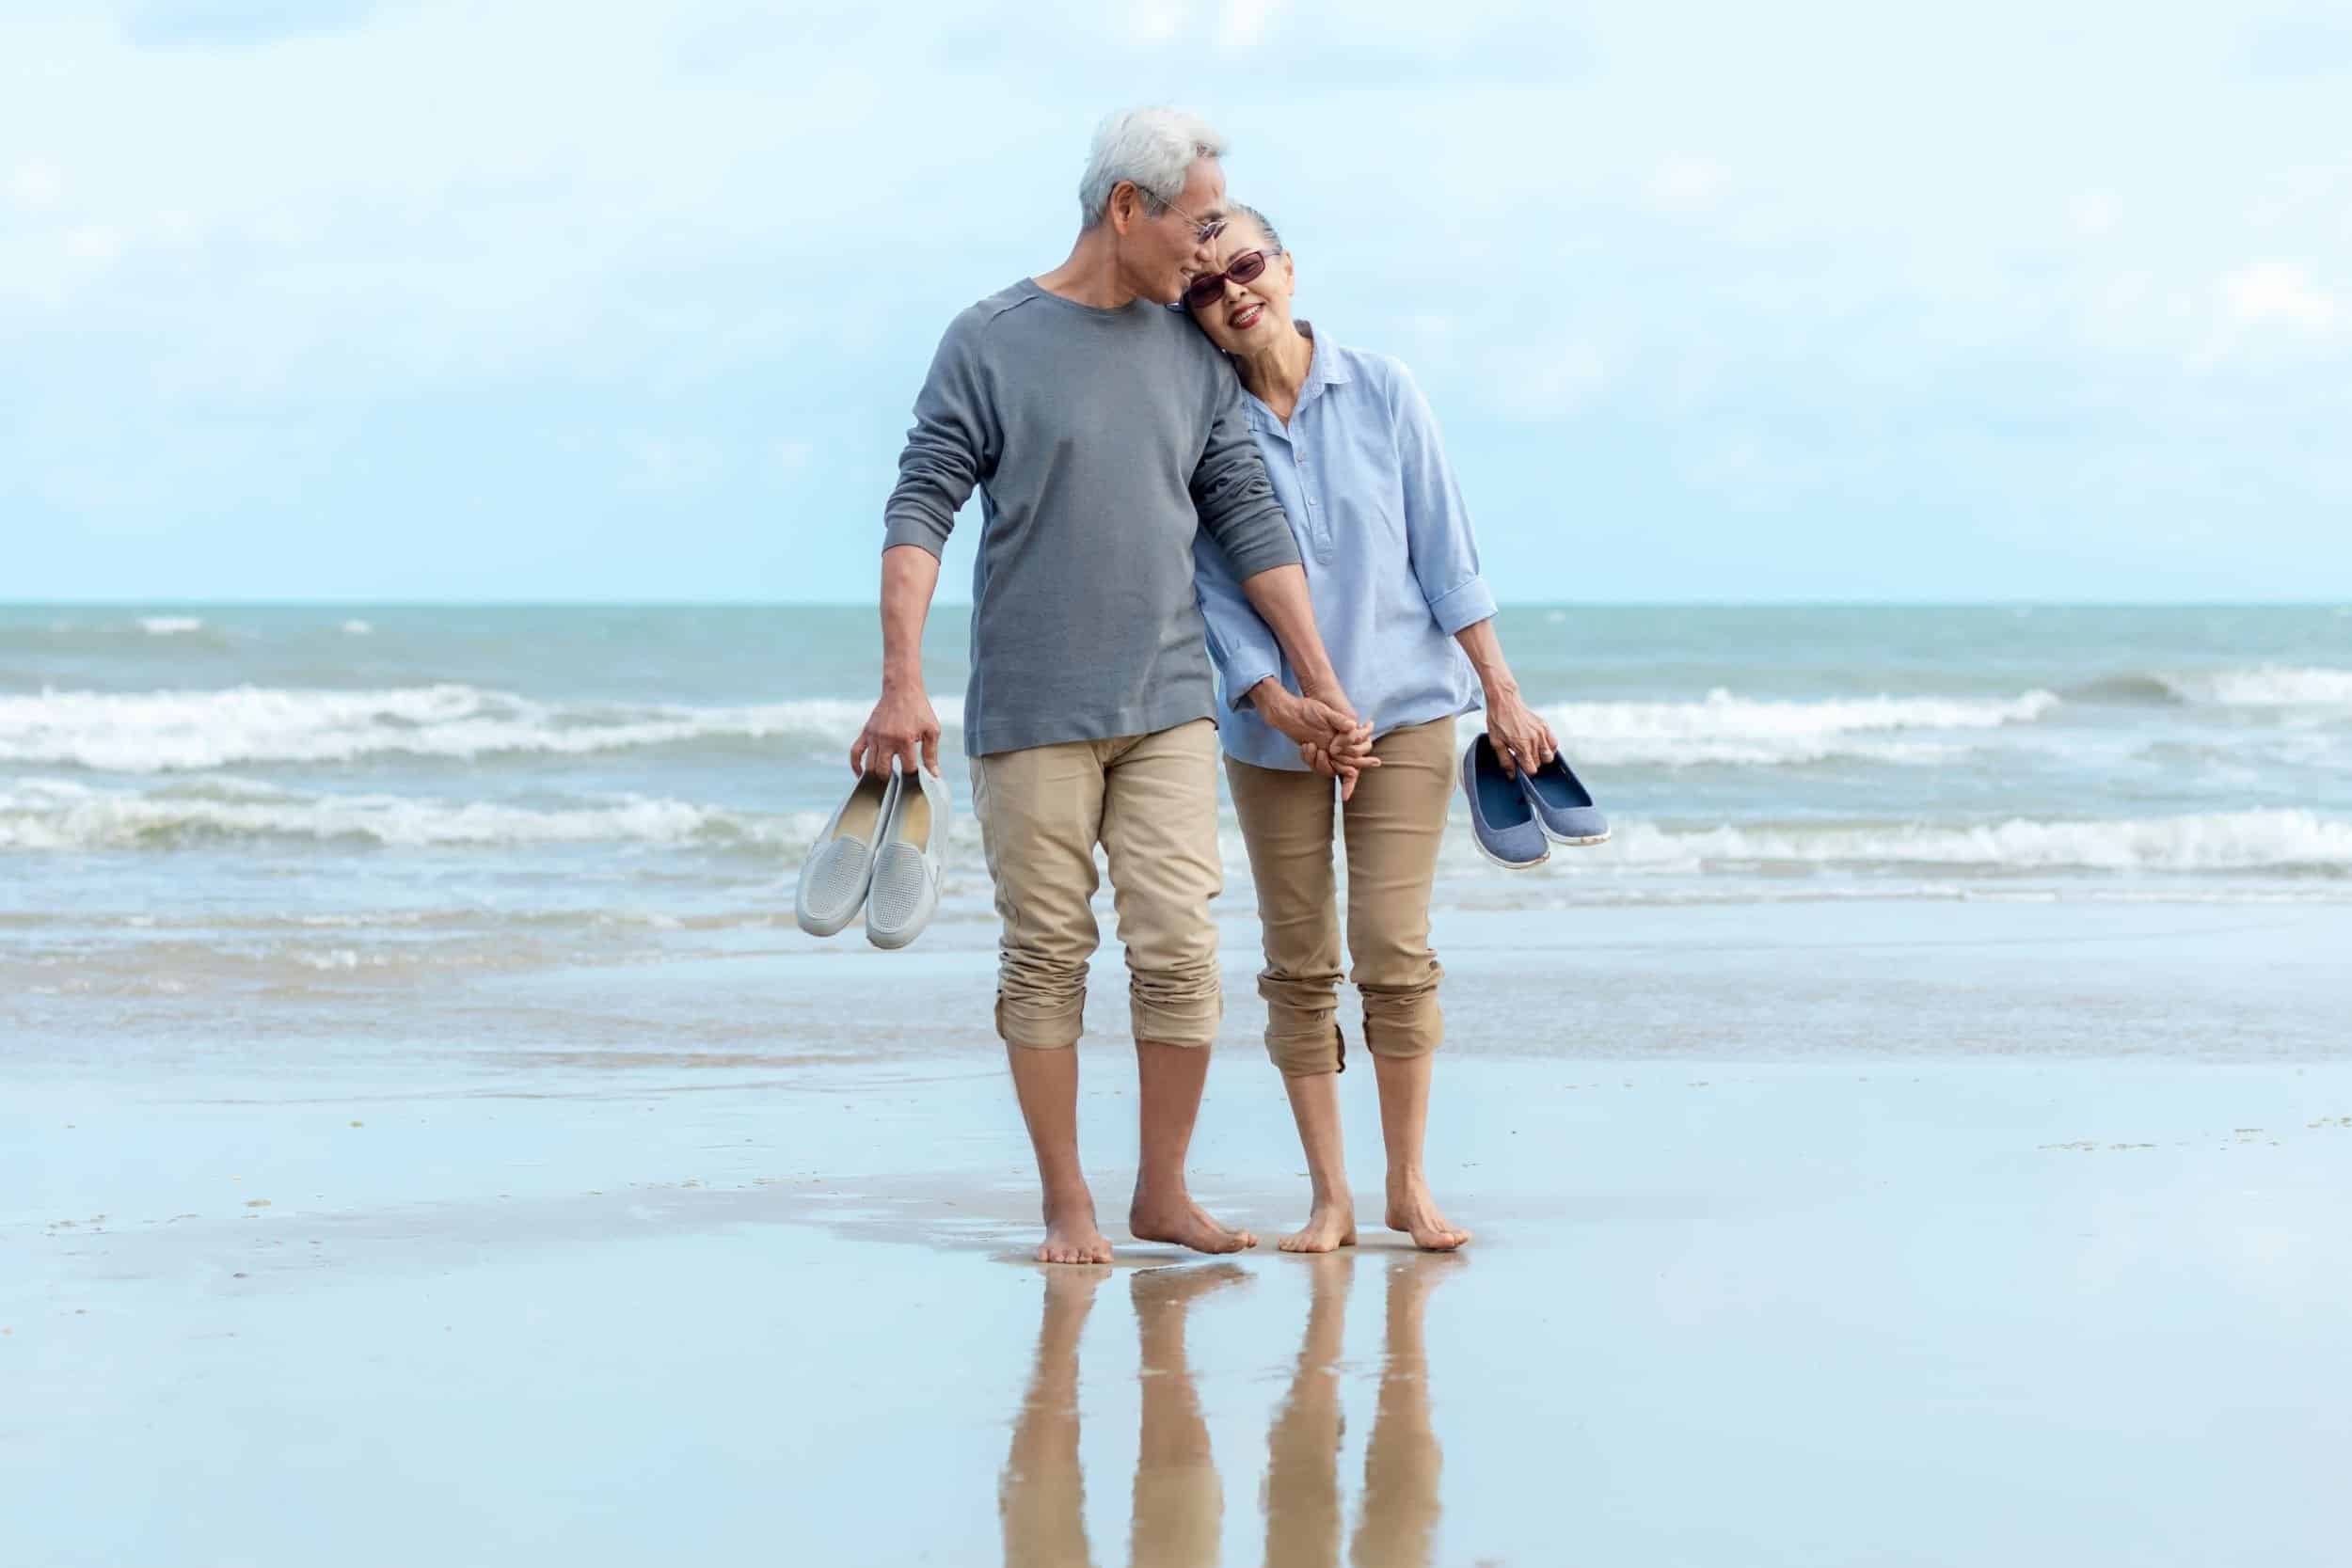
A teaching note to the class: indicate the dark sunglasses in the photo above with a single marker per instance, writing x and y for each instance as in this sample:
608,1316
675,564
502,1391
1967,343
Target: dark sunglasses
1204,290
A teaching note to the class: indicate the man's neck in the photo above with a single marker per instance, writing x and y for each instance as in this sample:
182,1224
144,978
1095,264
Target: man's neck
1091,276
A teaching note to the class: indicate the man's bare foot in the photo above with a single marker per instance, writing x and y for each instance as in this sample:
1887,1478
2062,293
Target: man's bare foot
1176,1218
1332,1224
1071,1233
1412,1211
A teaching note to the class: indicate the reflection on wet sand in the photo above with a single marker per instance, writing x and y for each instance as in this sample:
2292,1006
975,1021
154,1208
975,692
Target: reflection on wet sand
1179,1498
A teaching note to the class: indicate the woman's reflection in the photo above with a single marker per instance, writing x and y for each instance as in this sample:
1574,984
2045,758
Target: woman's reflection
1178,1502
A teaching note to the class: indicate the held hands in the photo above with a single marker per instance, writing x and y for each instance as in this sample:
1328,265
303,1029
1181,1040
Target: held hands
1331,740
1521,739
901,726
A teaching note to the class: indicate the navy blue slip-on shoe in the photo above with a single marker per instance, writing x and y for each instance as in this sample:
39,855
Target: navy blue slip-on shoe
1563,805
1502,821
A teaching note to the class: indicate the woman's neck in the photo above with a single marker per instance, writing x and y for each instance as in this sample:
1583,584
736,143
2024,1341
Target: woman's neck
1276,374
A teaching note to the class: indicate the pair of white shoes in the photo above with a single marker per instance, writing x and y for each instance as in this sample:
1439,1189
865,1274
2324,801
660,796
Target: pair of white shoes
883,852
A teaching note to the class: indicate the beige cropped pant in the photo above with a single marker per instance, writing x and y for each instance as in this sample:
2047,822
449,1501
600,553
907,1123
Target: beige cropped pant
1150,801
1392,829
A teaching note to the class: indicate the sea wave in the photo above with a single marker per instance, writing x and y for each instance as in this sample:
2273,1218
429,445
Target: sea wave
2272,685
178,731
59,815
52,814
169,626
2266,686
2269,841
1724,729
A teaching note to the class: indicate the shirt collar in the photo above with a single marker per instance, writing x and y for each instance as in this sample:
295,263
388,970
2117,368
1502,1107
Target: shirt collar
1327,368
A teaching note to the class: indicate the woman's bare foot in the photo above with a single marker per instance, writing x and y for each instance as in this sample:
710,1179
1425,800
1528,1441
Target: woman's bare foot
1071,1233
1412,1211
1332,1224
1174,1218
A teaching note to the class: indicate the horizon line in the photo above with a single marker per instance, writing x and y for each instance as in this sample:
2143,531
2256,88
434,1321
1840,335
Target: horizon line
2020,603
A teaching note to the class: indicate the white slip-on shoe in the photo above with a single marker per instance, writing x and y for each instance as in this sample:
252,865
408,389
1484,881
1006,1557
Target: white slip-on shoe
908,865
840,863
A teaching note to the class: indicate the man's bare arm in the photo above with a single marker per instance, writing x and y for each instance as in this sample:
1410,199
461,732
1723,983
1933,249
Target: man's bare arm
902,725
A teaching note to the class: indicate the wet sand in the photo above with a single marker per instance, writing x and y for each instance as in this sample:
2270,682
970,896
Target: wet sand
641,1300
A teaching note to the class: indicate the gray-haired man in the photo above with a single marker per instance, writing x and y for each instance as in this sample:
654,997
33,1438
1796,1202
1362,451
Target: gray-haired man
1104,433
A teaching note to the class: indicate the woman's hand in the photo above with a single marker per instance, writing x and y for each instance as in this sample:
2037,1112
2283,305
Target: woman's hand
1344,766
1312,721
1522,739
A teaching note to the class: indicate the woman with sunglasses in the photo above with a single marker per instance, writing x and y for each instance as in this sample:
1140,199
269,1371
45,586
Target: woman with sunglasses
1355,458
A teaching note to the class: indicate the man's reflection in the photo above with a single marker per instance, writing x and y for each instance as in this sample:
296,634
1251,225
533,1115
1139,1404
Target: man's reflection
1179,1501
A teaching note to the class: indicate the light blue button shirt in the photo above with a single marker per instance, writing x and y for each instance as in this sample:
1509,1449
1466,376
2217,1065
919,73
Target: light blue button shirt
1390,562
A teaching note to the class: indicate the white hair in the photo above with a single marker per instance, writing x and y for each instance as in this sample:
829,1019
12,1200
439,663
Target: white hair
1155,148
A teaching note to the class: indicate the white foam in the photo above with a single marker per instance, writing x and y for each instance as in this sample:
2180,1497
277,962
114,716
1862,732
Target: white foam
2247,841
1755,732
2268,686
178,731
356,629
169,626
52,814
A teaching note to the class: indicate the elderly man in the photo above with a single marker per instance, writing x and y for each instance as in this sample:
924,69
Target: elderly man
1105,433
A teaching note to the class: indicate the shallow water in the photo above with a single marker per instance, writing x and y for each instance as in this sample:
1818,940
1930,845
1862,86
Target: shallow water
1869,1312
336,806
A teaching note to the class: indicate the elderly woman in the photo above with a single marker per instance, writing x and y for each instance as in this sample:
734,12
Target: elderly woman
1355,458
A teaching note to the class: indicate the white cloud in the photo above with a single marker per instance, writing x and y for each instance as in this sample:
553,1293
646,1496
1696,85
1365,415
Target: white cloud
37,184
793,457
2279,291
2095,214
94,243
1686,187
1243,23
1155,20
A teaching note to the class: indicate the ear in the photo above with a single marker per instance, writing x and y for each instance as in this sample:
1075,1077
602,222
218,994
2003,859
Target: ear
1126,198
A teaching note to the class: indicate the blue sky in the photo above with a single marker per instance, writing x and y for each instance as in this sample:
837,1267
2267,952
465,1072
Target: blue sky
464,299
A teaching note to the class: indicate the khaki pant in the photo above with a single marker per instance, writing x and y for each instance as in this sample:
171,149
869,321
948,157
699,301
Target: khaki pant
1393,827
1150,801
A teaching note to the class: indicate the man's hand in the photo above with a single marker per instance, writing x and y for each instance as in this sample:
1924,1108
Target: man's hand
903,727
1310,721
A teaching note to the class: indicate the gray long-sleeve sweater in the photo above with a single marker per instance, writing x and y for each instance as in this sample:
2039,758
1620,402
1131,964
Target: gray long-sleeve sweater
1104,442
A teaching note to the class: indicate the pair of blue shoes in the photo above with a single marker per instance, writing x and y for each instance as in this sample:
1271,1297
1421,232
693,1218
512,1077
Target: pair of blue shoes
1518,819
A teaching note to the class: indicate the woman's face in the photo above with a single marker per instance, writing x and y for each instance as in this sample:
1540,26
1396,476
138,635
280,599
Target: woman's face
1250,315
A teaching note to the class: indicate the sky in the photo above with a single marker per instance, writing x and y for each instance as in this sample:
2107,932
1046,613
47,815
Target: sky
477,300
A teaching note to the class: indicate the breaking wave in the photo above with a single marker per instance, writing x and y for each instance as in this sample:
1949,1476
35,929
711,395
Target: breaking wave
159,732
58,816
1753,732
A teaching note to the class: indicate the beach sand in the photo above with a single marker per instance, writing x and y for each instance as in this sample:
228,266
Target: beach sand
1806,1234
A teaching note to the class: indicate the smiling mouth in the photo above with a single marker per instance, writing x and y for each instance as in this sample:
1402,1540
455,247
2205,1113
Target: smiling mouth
1245,318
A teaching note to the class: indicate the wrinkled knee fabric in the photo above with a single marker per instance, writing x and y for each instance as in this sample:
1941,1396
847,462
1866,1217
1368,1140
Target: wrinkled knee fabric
1149,801
1391,833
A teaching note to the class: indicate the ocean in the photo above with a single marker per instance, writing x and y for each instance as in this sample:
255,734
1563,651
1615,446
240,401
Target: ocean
216,813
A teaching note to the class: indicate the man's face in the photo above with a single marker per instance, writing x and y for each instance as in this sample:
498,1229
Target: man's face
1160,253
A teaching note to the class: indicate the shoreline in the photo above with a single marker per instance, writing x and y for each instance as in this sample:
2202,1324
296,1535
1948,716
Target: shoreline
1759,1313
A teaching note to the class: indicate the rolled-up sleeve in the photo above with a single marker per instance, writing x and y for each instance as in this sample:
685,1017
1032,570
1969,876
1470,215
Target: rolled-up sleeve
1231,493
951,448
1437,524
1240,643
